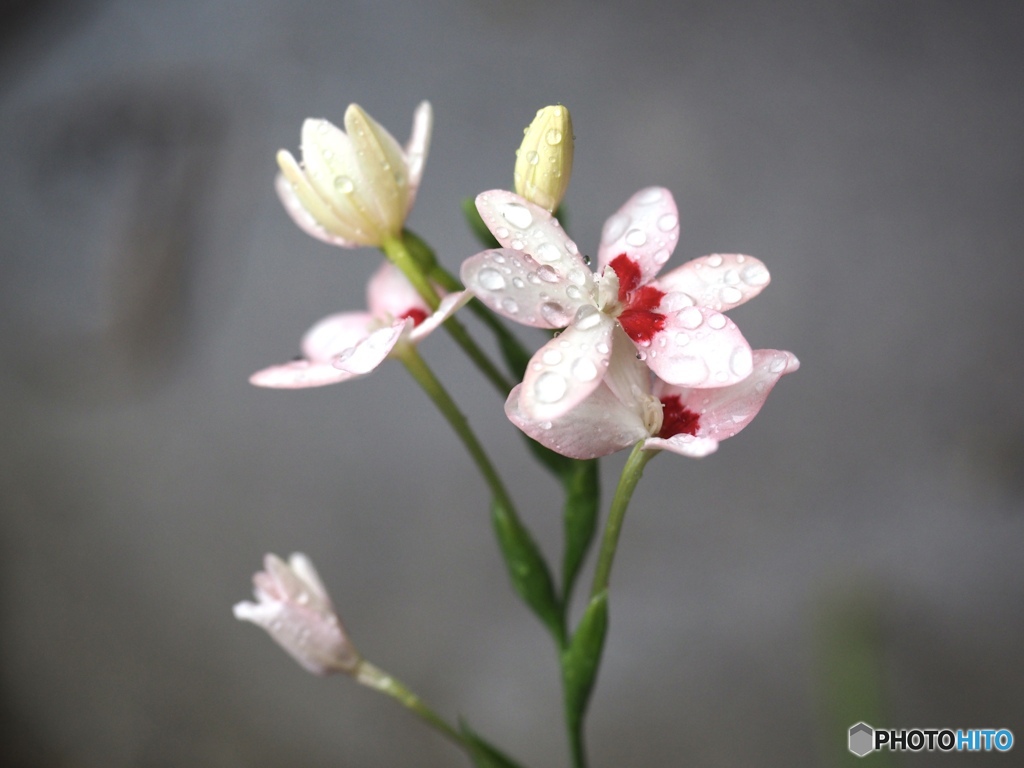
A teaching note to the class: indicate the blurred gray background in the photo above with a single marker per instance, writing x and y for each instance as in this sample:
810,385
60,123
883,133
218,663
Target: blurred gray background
855,554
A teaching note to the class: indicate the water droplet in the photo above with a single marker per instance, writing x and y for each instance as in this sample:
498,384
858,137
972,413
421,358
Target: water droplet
615,227
547,252
517,215
584,370
602,348
714,260
731,295
550,387
555,314
755,274
501,233
586,259
551,357
731,277
322,126
690,317
553,136
717,321
661,256
570,246
636,237
545,425
548,274
532,157
573,292
641,355
490,279
587,317
577,275
777,365
518,282
509,305
668,222
497,258
344,185
517,244
742,363
682,339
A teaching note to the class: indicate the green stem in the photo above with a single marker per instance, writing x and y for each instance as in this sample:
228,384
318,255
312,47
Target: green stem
631,474
379,680
419,370
397,252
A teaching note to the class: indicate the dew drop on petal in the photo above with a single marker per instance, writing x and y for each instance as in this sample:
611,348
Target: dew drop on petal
731,277
636,237
517,244
615,227
731,295
717,321
754,274
742,363
344,184
533,278
682,339
602,348
661,256
777,365
490,279
555,314
551,357
649,196
714,260
641,355
501,232
518,282
548,275
550,387
577,275
517,215
547,252
573,292
668,222
553,136
545,425
509,305
532,157
587,317
497,258
570,246
691,318
584,370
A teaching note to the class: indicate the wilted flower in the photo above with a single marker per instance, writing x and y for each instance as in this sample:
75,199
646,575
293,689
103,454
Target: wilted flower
625,408
351,344
544,159
294,607
354,187
676,323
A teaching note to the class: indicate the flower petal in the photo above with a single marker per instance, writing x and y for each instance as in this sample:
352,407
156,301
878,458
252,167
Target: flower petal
332,335
390,296
306,208
449,305
416,149
720,281
520,225
382,170
299,374
599,425
513,284
646,229
699,347
371,351
684,445
724,411
569,367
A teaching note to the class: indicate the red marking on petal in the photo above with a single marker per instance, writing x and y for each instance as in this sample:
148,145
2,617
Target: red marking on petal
678,419
628,272
417,315
641,324
646,298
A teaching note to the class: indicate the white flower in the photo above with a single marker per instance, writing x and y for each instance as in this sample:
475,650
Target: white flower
294,607
354,187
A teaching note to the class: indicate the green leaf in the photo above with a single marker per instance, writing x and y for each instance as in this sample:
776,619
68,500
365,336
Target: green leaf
527,569
483,754
580,661
476,224
582,497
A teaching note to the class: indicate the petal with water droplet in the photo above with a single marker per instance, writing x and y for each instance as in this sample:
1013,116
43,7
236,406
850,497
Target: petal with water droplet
711,353
646,229
720,281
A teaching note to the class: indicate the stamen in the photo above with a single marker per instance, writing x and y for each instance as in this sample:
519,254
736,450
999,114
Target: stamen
417,315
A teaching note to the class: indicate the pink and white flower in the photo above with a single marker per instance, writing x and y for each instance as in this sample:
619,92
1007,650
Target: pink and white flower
354,188
348,345
626,408
294,607
675,322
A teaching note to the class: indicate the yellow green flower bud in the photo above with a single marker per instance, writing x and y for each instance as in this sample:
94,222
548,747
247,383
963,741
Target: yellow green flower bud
544,159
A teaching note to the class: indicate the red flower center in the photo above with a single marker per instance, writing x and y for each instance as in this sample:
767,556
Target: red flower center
677,418
417,315
638,318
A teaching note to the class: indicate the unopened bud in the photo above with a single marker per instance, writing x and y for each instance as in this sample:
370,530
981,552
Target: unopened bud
544,159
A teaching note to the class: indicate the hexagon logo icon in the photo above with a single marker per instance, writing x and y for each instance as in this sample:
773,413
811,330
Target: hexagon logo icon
862,738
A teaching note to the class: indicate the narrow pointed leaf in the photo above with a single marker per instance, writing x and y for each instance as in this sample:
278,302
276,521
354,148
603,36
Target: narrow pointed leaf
580,661
482,754
527,569
582,496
